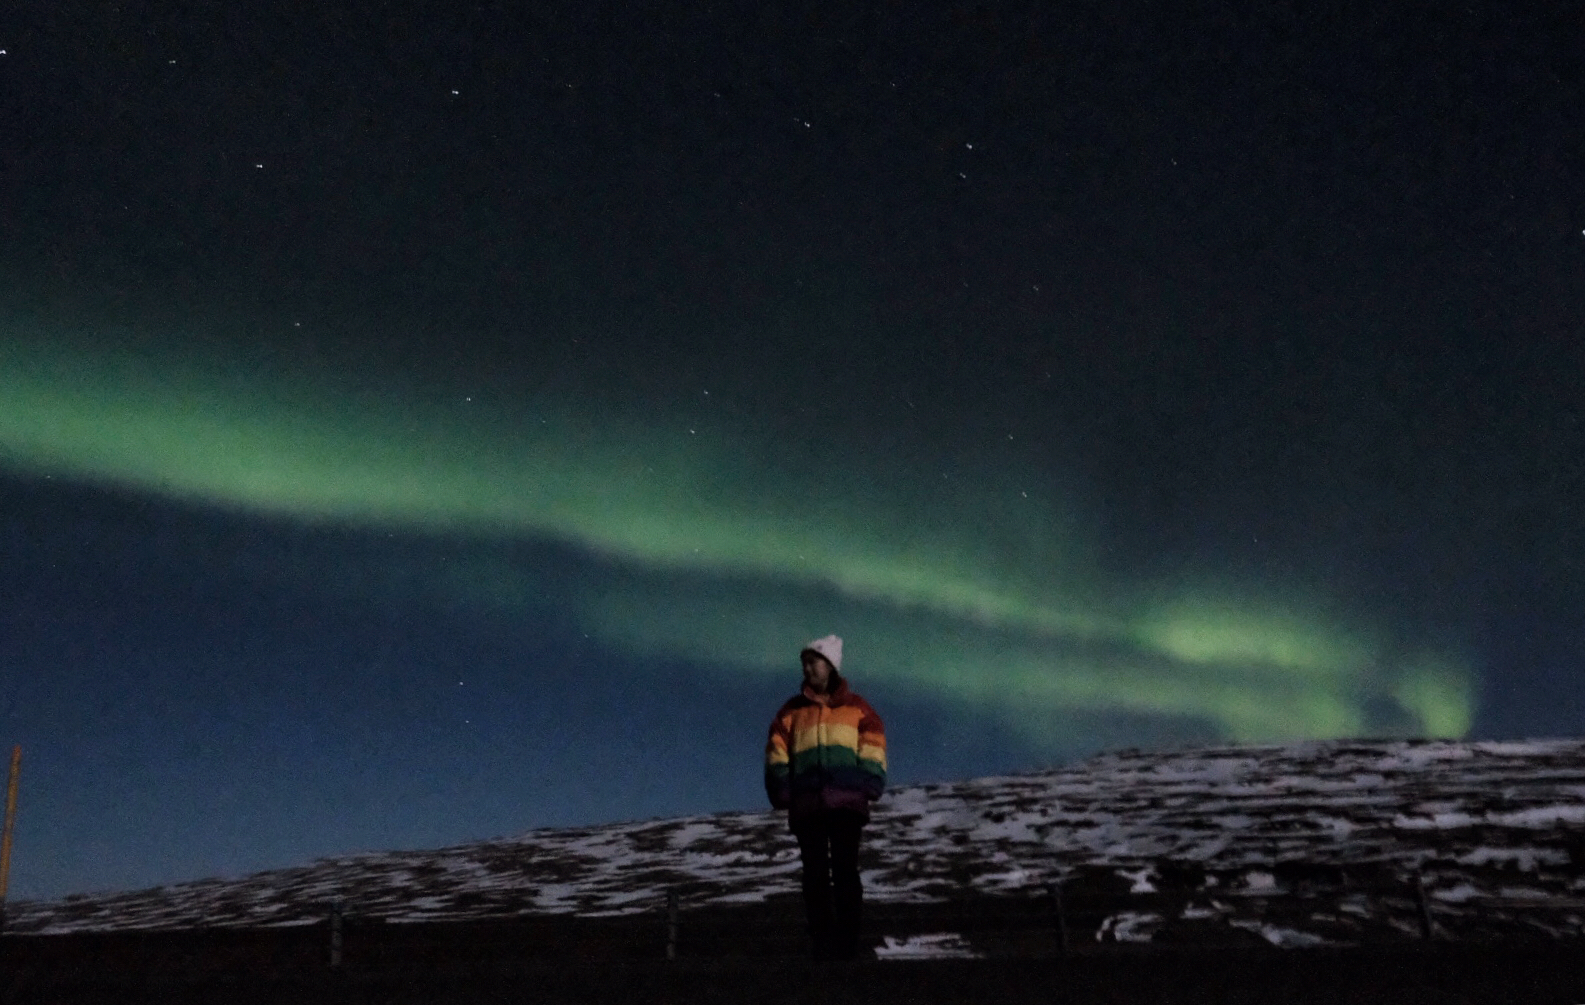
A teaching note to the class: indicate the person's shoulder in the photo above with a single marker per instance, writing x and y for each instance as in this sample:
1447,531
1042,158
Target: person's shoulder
857,700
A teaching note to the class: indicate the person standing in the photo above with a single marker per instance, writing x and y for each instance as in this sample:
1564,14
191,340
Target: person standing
825,763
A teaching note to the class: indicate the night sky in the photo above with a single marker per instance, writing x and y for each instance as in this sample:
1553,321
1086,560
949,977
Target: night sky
420,425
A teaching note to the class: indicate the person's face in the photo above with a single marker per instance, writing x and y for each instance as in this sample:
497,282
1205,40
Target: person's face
817,672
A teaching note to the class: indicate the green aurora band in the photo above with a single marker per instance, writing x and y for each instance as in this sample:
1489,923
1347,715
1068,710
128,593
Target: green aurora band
711,550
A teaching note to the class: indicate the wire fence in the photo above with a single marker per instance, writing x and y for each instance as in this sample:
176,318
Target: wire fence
1059,919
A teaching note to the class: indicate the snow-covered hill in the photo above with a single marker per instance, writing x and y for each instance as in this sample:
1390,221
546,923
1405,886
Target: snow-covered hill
1496,830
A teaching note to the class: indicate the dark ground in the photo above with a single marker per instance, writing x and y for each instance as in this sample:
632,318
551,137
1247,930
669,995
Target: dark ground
748,956
1404,976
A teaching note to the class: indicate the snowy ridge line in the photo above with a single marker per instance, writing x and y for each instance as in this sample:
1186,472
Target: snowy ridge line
1483,822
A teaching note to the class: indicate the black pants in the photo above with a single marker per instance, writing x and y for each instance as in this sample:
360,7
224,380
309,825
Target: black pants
833,895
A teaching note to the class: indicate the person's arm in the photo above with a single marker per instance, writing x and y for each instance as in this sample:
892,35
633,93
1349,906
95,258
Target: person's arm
872,752
778,774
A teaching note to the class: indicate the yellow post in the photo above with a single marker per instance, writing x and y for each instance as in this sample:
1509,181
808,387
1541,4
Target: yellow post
11,819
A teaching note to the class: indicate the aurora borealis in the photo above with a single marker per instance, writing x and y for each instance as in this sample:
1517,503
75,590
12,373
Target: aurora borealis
946,614
380,427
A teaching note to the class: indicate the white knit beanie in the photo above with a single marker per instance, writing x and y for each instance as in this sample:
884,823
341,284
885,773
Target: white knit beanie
830,647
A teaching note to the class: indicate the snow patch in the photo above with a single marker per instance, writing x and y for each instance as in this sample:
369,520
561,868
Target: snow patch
1140,878
1542,816
1260,881
1129,926
1456,895
1282,938
1435,821
938,945
1524,859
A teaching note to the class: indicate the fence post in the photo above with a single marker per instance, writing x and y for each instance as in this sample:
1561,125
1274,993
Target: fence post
1062,916
1425,907
337,911
671,924
10,821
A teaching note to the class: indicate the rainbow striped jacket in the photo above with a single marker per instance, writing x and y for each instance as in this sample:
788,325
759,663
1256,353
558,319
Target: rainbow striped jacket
825,752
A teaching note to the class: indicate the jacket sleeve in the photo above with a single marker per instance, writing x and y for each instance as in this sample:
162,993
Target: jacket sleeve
778,775
872,752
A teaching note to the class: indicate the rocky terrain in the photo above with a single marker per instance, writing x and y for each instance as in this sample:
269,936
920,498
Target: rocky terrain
1339,842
